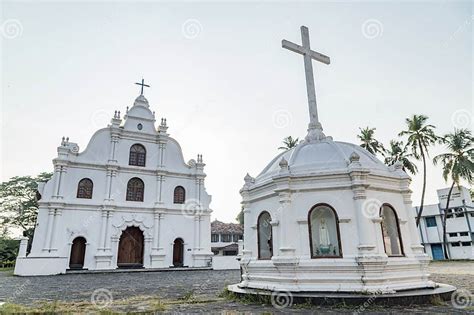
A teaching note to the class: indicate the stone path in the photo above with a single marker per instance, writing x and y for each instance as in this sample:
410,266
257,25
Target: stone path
202,285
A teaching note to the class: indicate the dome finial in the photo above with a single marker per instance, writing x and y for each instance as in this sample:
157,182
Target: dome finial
249,179
141,101
283,163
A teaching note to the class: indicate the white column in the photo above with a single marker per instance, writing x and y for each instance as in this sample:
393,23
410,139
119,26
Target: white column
195,223
107,184
248,243
415,243
161,152
23,247
147,260
61,179
364,226
56,213
284,217
196,189
113,175
59,175
160,178
156,231
107,228
199,231
113,144
49,224
57,179
103,227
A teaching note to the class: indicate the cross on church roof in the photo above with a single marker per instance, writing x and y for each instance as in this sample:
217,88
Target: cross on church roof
308,55
142,84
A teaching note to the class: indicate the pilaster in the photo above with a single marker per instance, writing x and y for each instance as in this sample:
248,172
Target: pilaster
365,226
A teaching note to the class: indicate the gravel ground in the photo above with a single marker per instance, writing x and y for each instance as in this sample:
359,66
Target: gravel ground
201,285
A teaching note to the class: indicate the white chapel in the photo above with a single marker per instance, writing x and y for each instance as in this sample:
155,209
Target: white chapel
328,216
128,200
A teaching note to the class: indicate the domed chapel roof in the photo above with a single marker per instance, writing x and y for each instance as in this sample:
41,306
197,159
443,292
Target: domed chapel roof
324,155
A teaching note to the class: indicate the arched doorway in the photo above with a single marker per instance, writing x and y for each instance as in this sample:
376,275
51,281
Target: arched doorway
78,252
178,252
130,249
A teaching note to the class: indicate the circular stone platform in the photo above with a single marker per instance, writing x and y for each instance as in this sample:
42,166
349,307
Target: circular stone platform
407,297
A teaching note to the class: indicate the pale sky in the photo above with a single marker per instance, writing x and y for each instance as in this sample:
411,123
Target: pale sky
220,77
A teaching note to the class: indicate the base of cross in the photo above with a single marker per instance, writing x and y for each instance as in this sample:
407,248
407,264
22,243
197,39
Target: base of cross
315,133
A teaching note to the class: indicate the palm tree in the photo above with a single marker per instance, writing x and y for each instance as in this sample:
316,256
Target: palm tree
369,142
458,164
398,153
289,143
420,137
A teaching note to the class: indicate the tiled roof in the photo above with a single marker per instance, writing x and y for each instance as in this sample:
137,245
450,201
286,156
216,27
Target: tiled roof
232,246
218,227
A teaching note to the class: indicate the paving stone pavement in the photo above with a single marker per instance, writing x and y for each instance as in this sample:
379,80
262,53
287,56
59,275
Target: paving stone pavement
204,284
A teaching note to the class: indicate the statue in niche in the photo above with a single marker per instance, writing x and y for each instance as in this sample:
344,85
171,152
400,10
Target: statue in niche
324,241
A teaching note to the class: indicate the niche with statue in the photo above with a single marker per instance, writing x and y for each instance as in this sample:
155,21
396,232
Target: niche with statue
324,232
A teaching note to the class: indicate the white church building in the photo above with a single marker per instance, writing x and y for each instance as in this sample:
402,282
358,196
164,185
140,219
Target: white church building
128,200
328,216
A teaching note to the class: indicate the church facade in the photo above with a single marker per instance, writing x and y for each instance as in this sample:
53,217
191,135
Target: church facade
128,200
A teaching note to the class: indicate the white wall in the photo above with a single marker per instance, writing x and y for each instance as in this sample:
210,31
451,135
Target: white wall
225,262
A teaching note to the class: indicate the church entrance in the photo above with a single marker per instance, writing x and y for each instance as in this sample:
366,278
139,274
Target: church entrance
178,252
78,252
130,249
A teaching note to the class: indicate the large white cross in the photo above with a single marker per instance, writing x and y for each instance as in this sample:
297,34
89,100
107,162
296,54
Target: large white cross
308,55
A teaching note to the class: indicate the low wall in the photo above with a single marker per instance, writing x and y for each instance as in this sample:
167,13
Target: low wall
225,262
40,266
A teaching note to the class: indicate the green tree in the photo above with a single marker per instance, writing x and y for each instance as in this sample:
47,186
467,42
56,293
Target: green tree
240,217
289,143
369,142
18,202
399,153
8,250
458,164
420,137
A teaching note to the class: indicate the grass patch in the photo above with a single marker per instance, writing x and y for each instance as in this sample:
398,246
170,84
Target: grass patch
227,294
188,296
11,308
264,299
143,304
437,300
140,304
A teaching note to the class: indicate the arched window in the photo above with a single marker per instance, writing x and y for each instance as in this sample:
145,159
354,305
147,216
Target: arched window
137,155
391,231
84,188
324,238
135,189
179,195
264,236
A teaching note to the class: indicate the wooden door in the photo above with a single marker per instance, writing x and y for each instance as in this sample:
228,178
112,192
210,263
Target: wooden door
178,252
78,252
130,249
